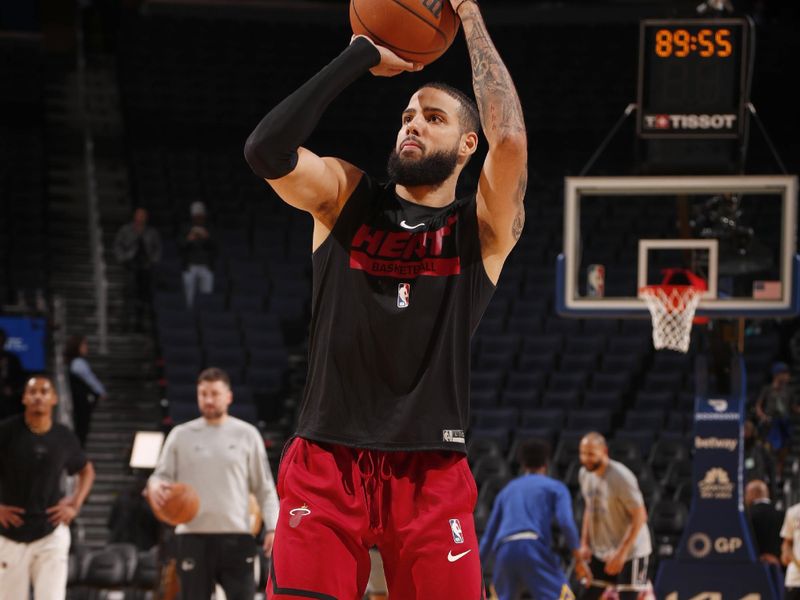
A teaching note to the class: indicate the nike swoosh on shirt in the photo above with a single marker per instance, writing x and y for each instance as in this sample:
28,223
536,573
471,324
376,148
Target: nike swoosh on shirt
407,226
453,558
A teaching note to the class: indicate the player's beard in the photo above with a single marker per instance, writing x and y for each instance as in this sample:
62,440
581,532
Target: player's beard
591,467
429,169
212,413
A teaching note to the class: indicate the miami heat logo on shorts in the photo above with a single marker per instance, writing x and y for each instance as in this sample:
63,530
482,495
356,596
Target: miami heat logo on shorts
297,514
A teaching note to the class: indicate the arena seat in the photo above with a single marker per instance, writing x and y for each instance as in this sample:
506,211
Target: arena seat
148,571
542,361
587,419
567,382
525,381
668,519
543,417
658,400
490,465
490,487
643,437
129,555
479,446
656,381
608,400
678,472
567,399
104,569
651,419
486,398
628,452
498,435
525,325
495,417
545,343
579,362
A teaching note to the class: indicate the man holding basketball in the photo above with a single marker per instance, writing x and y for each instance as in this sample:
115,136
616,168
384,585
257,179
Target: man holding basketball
35,452
224,460
402,274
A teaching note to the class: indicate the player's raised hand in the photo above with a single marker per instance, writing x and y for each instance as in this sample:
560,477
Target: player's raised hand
390,64
10,515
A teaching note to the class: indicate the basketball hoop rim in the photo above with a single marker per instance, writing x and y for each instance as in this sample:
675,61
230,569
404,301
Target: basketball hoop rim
666,288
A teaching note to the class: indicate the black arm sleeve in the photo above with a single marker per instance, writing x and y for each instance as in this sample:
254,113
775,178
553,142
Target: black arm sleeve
271,150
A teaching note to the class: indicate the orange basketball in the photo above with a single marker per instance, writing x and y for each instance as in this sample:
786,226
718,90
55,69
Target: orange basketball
181,505
417,30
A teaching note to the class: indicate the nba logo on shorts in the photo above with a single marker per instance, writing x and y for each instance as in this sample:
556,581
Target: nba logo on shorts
455,525
403,295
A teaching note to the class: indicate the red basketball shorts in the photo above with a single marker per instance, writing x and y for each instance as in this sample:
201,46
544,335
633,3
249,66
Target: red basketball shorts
337,502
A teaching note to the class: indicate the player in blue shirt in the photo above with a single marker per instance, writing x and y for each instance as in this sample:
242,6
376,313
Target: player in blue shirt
518,533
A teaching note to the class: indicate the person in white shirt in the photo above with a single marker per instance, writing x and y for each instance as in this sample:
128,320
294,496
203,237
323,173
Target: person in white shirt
790,552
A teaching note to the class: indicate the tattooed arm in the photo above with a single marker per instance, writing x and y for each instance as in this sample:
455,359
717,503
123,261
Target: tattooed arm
504,177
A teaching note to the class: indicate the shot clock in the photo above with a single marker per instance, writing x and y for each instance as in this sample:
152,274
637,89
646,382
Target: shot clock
692,78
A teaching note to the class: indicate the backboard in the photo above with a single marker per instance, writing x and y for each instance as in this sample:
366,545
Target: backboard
736,232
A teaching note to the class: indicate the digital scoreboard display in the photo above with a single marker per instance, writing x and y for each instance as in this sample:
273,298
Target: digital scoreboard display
692,76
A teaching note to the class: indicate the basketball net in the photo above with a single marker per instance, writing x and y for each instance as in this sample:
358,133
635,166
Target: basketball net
672,308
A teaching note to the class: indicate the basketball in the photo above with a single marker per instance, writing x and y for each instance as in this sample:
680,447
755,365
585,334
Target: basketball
181,506
416,30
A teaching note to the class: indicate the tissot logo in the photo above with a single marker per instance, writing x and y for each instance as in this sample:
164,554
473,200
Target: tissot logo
719,122
406,254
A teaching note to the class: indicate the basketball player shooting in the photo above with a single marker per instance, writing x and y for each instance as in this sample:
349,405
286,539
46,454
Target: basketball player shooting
402,273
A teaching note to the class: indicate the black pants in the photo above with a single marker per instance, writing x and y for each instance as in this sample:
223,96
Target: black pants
205,559
792,593
137,292
630,581
82,408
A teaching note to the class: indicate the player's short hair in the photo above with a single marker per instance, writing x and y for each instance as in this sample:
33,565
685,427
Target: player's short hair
533,454
38,375
594,437
468,115
213,374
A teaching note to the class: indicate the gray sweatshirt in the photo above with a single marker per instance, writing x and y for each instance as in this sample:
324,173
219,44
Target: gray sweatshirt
224,463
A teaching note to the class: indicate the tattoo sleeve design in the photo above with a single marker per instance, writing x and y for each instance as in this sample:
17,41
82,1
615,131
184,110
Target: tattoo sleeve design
498,103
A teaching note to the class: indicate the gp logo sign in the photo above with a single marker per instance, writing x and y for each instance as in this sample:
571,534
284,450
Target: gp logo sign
701,545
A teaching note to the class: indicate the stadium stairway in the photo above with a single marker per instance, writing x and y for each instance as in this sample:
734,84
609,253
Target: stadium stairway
127,370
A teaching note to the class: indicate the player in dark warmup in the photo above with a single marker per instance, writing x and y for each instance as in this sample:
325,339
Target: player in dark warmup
35,452
402,274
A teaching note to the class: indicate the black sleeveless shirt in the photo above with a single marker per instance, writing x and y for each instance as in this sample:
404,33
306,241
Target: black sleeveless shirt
398,291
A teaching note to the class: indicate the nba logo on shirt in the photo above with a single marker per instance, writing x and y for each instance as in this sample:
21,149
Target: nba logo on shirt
455,526
403,295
